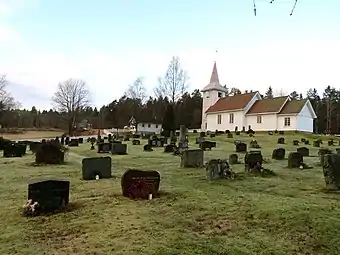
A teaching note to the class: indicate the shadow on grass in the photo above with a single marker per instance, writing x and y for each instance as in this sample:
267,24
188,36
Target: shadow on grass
330,191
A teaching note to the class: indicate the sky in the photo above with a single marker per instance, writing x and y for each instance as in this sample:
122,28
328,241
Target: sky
110,43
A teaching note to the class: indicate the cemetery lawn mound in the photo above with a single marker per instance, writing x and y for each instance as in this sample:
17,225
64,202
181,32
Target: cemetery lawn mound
32,135
285,214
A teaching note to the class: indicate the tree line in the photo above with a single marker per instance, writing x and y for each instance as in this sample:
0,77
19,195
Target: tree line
72,104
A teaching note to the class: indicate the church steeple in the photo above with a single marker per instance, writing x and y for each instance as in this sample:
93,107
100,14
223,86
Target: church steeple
214,76
214,83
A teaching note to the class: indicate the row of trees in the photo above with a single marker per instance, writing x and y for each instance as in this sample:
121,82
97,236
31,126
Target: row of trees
72,103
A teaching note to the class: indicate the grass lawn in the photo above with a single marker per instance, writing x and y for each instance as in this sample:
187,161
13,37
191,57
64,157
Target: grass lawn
32,135
290,213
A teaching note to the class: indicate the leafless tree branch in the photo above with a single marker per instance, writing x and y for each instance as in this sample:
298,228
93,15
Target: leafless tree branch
175,82
6,99
136,90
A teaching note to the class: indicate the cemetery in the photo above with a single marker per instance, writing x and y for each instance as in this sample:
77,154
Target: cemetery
216,193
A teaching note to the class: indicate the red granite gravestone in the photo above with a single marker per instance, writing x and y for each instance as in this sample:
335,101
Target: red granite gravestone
140,184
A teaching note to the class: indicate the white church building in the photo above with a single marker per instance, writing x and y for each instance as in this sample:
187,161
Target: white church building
249,110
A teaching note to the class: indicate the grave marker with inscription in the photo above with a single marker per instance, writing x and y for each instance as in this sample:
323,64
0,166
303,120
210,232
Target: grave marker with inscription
101,166
137,184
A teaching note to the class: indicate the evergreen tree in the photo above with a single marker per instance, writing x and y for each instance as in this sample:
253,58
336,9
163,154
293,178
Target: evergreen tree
169,121
269,93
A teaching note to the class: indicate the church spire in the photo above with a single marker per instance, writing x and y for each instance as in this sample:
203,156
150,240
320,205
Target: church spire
214,75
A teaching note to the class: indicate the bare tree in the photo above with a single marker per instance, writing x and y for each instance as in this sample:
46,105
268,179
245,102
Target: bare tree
7,101
280,93
71,97
175,82
136,90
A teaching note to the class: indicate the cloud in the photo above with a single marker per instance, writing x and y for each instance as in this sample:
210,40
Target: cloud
289,66
8,35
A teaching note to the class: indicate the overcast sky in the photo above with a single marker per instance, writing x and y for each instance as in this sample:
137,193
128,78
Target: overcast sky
109,43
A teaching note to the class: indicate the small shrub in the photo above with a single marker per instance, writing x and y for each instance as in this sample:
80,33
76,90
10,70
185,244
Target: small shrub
50,152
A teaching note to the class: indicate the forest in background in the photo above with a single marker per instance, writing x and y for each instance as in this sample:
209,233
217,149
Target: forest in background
72,105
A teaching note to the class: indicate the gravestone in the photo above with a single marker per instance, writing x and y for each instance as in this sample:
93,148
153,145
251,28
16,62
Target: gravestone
199,140
303,140
218,169
254,145
194,131
227,131
192,158
230,135
101,166
236,129
316,143
202,134
126,138
237,133
241,147
155,142
4,142
62,140
295,160
296,142
306,142
51,194
281,140
147,147
80,140
119,148
207,145
303,151
243,129
104,147
253,161
14,150
67,140
270,132
138,184
170,148
212,135
135,142
57,139
281,132
279,154
135,136
73,143
322,152
331,171
233,159
330,142
182,138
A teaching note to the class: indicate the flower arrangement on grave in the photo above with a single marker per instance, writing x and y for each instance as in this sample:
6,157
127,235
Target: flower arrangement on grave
30,208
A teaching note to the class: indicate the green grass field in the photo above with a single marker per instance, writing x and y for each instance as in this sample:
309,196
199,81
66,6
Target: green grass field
290,213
